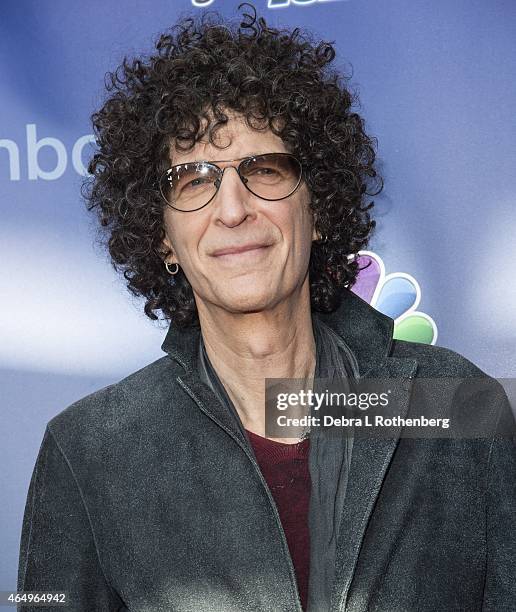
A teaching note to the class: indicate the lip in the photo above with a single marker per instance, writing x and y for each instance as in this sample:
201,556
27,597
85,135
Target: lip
239,249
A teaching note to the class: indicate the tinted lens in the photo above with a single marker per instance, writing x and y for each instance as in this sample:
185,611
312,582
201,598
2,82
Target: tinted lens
189,186
272,176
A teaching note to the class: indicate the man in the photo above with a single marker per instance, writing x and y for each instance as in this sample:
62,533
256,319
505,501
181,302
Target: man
230,179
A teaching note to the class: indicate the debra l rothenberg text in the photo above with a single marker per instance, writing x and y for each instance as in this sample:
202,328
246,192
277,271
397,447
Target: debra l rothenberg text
365,421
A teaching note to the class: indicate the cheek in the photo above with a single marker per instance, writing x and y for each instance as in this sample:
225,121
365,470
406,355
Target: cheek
297,234
184,234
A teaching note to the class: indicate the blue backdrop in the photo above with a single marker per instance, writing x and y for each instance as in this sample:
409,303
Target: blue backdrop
437,88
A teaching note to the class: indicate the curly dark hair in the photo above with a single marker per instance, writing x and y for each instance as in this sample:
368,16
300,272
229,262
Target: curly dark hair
205,66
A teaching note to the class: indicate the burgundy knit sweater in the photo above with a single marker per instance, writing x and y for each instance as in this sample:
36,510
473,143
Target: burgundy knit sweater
285,469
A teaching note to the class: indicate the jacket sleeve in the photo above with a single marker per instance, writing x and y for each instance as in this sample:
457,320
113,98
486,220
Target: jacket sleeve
57,549
500,585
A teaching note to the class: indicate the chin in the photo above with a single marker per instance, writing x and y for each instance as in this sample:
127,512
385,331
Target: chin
248,301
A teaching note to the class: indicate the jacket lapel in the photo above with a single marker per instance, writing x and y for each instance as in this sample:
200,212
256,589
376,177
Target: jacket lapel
369,463
182,345
369,335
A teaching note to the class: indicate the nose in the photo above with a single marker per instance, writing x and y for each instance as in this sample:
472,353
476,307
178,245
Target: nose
232,202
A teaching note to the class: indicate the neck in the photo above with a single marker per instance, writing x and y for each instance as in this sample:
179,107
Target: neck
275,343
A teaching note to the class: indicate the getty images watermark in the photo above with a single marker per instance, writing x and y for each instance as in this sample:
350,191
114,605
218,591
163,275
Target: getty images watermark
409,408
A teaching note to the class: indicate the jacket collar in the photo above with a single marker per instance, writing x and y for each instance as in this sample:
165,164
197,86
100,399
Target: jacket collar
366,331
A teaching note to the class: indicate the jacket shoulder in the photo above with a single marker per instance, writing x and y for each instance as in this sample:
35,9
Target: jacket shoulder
485,397
436,360
115,406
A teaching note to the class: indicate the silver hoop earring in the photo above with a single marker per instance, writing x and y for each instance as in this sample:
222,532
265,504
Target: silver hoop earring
167,264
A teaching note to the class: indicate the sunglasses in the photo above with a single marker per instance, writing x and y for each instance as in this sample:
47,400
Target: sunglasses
192,186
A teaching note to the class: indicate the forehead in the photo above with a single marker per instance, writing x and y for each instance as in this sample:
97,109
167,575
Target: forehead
233,140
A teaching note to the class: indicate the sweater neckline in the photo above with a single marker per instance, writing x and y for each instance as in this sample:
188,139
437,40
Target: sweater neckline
279,450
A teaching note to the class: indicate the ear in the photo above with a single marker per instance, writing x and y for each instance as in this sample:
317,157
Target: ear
168,248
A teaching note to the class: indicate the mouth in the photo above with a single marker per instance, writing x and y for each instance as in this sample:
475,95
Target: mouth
240,253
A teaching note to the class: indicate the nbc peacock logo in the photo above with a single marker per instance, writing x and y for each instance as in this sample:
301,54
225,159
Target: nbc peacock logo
396,295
